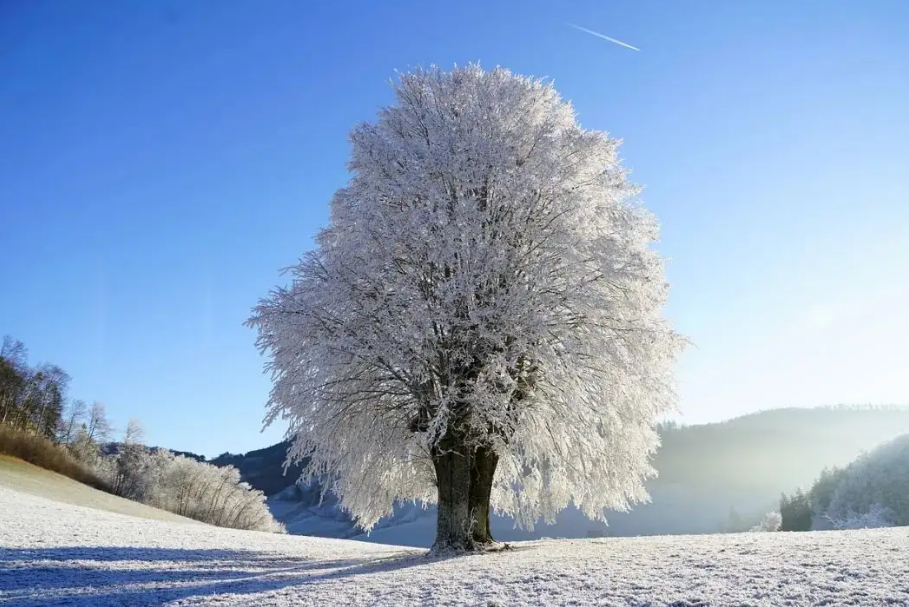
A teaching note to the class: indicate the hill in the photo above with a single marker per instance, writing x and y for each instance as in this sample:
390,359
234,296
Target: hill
28,479
54,553
263,468
778,449
713,477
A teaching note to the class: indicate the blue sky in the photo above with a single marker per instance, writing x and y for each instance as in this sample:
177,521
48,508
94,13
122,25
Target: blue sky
161,161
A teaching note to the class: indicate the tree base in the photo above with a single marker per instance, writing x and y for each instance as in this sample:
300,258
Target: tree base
447,550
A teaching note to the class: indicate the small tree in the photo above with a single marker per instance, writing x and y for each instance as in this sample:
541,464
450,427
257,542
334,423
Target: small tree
734,523
132,474
796,512
482,320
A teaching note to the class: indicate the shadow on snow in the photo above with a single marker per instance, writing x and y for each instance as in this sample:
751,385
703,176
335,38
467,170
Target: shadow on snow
141,577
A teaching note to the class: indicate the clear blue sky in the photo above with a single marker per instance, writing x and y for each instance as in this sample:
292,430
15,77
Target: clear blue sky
160,161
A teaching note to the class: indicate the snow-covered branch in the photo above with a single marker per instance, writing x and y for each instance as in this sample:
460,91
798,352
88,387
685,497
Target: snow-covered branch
488,276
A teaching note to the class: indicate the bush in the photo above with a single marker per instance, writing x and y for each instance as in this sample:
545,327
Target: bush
190,488
41,452
772,521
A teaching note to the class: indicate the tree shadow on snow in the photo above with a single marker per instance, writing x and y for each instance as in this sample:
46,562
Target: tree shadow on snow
142,577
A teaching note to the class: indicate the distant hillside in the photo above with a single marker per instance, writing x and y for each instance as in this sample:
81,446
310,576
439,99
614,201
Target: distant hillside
262,468
776,449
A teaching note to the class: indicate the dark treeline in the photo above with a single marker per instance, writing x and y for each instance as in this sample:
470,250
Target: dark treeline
35,400
31,398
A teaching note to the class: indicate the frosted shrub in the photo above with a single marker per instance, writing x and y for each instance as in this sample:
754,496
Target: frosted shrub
187,487
771,522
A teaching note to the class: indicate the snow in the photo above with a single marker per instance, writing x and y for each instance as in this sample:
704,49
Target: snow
53,553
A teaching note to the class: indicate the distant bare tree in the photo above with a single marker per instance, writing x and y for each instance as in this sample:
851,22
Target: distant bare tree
74,417
134,434
99,428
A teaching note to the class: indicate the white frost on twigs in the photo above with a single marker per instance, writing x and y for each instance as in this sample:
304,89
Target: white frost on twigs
482,228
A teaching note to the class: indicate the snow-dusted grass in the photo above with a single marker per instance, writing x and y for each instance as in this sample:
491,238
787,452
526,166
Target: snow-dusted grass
53,553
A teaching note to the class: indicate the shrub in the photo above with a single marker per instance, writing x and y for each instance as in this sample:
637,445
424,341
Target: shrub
42,452
772,521
190,488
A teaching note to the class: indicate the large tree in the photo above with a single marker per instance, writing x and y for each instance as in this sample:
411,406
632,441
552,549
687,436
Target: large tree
481,322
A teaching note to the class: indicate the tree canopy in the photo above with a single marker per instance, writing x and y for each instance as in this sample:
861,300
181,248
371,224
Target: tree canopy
486,291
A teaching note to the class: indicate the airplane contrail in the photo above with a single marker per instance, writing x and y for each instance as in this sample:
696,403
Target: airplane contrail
604,37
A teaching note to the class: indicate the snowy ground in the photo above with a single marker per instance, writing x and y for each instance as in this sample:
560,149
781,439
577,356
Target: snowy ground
52,553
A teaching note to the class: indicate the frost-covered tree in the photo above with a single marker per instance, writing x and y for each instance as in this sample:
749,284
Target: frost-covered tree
185,486
481,322
208,493
133,476
876,516
134,433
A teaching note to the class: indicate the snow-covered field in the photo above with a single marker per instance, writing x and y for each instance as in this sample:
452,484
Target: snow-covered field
53,553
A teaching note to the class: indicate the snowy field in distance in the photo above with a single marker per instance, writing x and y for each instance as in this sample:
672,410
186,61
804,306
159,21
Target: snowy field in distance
52,553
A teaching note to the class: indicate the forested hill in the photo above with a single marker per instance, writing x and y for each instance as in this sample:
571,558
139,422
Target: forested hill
777,449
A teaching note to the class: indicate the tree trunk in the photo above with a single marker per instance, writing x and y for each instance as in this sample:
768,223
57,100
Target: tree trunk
482,472
453,481
464,482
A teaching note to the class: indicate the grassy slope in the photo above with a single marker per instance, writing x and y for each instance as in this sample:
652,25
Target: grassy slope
25,478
